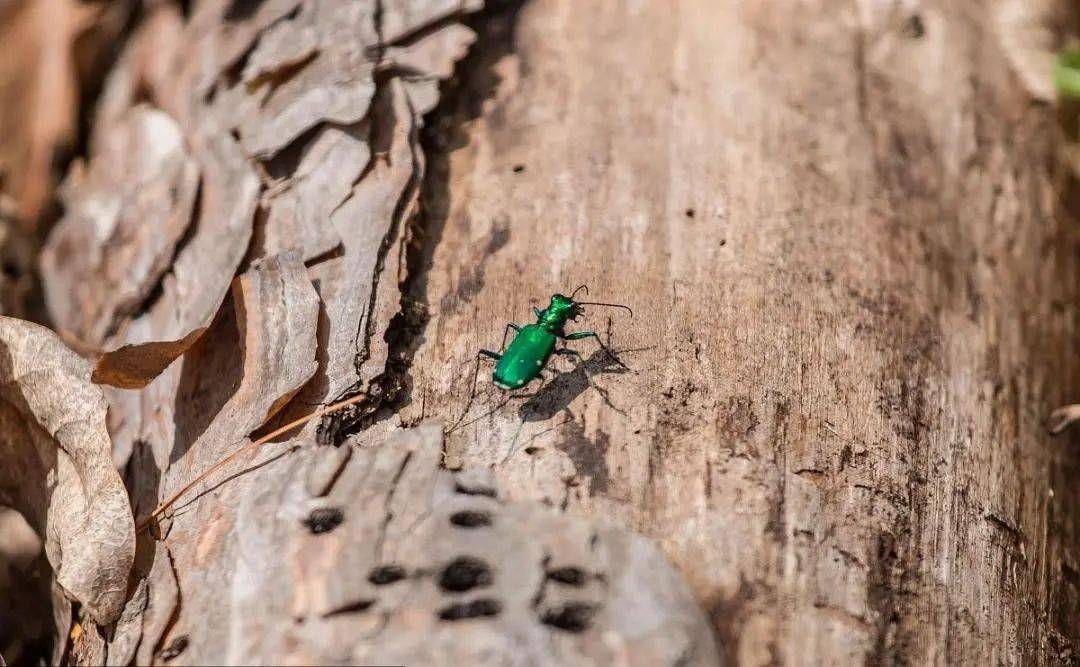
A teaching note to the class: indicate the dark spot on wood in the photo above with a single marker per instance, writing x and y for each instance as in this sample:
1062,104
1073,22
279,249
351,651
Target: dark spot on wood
238,10
386,574
530,450
356,607
474,489
465,573
471,518
571,617
500,236
914,27
519,168
323,519
571,576
174,649
484,607
690,213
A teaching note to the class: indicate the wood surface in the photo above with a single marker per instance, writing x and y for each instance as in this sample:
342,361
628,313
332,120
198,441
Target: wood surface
853,263
855,291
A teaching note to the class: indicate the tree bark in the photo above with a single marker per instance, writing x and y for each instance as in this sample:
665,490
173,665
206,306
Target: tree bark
853,268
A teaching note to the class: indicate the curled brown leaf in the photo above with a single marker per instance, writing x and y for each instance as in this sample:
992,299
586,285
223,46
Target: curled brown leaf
58,467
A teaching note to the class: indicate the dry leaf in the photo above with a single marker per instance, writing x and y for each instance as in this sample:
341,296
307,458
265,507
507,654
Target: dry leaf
60,474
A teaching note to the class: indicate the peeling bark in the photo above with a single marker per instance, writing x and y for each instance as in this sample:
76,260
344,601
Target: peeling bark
853,278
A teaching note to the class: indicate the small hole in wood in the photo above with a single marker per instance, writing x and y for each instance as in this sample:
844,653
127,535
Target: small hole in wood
571,576
519,168
465,573
356,607
386,574
571,617
690,212
475,609
323,519
474,489
174,649
471,518
914,27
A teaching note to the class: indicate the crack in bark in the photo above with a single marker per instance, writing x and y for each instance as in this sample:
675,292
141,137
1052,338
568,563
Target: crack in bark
443,129
174,616
389,516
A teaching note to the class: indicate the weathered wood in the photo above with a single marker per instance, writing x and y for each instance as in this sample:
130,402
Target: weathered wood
301,124
855,295
854,280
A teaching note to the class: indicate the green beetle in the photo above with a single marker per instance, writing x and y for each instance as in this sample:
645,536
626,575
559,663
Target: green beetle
533,344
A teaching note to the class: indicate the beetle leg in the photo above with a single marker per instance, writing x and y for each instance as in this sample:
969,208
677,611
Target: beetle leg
476,371
472,388
539,313
579,335
506,332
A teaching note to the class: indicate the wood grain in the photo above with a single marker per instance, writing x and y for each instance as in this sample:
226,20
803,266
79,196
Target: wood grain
855,291
853,263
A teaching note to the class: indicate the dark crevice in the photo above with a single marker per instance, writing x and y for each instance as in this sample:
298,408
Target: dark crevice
231,73
443,131
465,573
472,489
280,75
571,576
355,607
389,503
571,617
175,615
481,608
471,518
384,575
335,428
174,649
239,10
323,519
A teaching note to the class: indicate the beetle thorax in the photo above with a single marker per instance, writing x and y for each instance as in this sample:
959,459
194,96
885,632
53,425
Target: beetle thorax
557,313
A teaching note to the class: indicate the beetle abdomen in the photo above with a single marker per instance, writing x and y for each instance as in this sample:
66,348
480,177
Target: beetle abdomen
524,358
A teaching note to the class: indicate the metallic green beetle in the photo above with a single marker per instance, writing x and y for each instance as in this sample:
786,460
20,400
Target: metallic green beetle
527,356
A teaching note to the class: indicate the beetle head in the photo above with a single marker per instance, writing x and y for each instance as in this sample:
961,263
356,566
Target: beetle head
562,307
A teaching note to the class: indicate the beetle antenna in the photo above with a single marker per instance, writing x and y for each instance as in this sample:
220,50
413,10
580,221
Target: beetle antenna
609,305
583,287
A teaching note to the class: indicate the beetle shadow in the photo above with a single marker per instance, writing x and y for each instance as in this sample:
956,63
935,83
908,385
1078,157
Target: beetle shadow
557,395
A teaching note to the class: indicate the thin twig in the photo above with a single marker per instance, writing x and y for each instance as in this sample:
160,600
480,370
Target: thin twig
251,445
